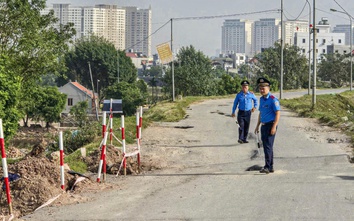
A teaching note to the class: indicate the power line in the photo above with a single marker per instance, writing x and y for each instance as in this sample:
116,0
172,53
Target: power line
343,8
224,16
203,17
303,8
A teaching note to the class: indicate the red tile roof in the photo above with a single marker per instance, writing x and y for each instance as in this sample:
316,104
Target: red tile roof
131,55
82,88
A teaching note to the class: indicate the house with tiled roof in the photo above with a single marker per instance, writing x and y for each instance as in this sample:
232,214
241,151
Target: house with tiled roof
77,93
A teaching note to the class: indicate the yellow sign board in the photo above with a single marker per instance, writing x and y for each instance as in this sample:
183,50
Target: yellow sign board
165,53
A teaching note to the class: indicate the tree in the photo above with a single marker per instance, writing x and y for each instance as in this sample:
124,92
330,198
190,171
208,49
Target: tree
103,59
229,85
153,84
193,74
130,95
79,112
245,69
154,71
295,66
32,45
334,68
29,48
142,87
218,72
9,99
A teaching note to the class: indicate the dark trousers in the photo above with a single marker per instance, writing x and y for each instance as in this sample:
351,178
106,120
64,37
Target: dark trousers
244,119
268,141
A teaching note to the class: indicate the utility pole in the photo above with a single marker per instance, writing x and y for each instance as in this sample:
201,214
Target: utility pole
93,91
282,51
309,86
314,57
172,67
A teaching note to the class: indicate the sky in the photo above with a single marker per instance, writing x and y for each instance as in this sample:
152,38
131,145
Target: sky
205,34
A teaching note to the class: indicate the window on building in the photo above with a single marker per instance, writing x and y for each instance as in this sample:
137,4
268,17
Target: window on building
316,40
336,51
323,50
70,102
339,41
303,50
303,40
323,41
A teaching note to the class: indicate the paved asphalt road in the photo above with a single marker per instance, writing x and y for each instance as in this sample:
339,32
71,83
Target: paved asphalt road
212,178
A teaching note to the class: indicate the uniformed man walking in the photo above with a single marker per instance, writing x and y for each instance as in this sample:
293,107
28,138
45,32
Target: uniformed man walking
269,115
243,101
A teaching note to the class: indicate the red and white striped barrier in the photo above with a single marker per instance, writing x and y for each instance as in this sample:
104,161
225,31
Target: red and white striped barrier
124,161
138,131
103,152
140,121
4,167
103,123
138,137
61,148
111,123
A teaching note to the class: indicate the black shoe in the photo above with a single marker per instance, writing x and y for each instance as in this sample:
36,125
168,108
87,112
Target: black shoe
264,170
245,141
240,141
271,171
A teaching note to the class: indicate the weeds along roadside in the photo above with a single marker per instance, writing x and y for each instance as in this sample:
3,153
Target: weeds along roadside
335,110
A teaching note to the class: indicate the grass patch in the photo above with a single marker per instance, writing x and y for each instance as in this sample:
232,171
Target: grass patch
168,111
336,110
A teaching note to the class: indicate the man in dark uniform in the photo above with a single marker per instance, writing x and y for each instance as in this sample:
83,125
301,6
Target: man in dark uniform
245,107
269,115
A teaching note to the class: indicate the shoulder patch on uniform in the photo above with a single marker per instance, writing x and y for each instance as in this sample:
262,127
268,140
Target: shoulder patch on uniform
272,96
276,103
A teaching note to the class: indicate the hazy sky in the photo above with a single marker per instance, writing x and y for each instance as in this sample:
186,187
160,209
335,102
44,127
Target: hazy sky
205,34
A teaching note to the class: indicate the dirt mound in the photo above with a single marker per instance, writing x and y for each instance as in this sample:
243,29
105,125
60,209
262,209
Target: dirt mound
114,157
39,182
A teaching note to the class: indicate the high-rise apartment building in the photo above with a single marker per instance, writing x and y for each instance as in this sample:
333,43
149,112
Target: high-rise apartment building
236,37
344,29
265,33
107,21
138,30
292,27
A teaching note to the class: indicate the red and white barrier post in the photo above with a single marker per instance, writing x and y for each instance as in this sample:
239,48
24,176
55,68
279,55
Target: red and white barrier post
103,123
123,144
103,152
140,121
111,122
61,148
138,137
4,167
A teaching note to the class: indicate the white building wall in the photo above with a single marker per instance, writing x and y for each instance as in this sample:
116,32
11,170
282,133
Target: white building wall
322,41
76,95
291,27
